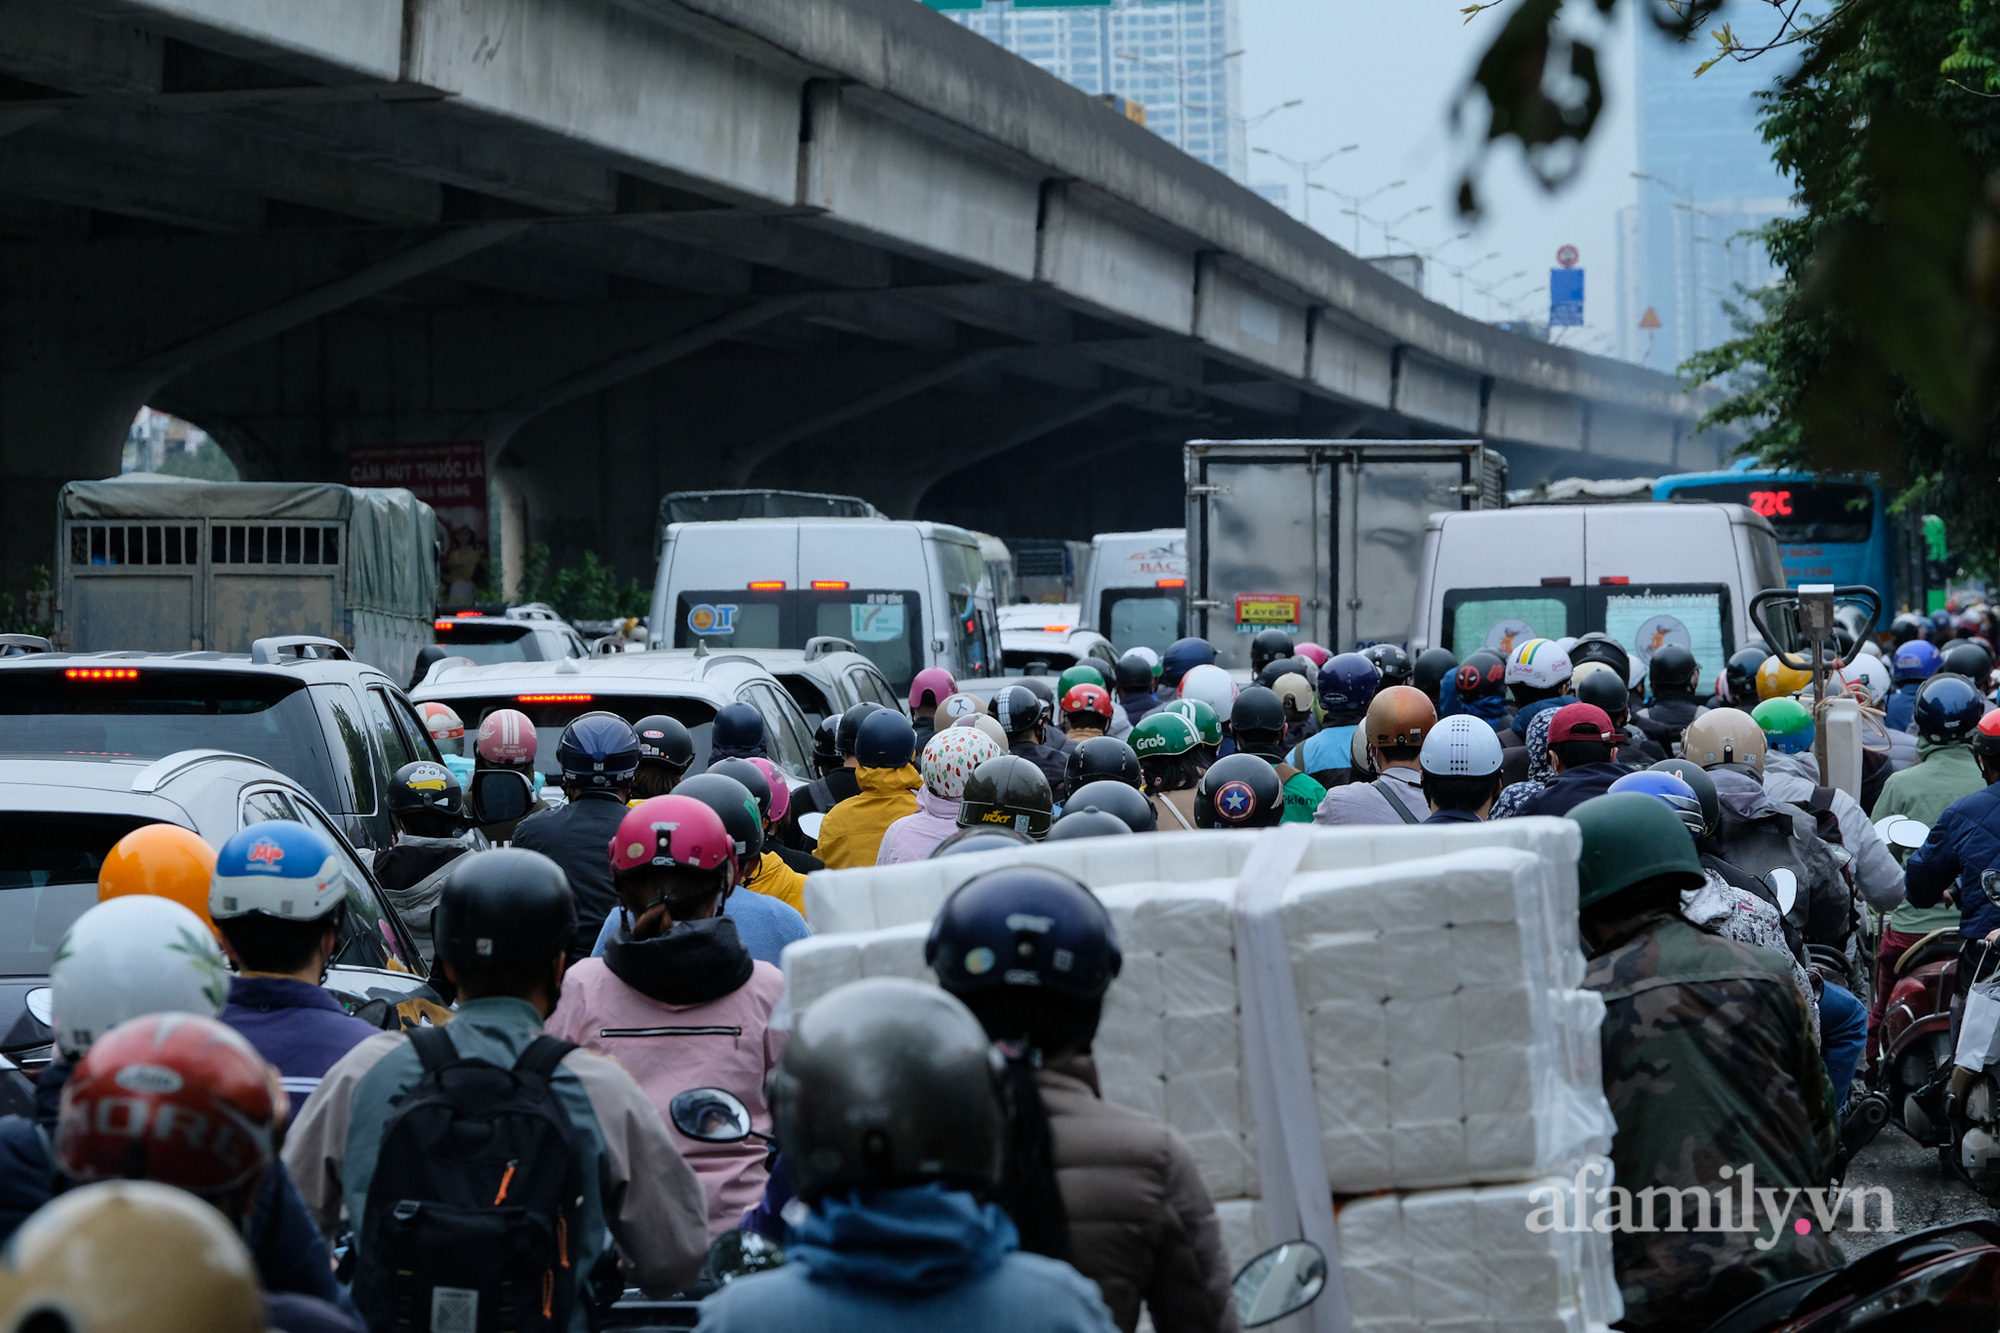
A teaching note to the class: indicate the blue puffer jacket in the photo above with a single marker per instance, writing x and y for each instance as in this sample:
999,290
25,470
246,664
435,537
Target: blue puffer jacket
909,1261
1964,843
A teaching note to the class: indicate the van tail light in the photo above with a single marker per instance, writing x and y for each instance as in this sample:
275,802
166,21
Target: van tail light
463,615
1613,581
1558,582
552,698
101,673
829,585
1171,583
767,585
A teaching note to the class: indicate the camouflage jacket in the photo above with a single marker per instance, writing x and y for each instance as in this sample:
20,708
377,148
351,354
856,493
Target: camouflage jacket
1711,1072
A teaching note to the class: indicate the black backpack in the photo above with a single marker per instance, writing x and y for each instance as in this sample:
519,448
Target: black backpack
471,1210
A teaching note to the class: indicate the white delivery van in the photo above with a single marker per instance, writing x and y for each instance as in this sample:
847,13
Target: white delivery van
1646,574
1136,592
907,595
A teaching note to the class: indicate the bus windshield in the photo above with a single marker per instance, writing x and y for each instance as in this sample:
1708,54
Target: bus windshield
1802,511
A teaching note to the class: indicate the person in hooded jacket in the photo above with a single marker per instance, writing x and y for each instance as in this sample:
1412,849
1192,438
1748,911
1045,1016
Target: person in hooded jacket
852,832
736,733
1914,663
1515,796
599,755
1136,688
1791,774
1346,686
680,1003
1020,713
1674,680
946,763
932,686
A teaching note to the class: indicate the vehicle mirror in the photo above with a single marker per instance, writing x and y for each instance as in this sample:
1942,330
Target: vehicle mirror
1279,1282
498,795
809,824
739,1253
710,1115
1785,887
1902,832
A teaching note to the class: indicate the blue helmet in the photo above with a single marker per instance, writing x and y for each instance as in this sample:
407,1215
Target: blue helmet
1671,788
1347,683
1915,660
279,869
737,726
1181,657
598,750
1024,926
1948,708
886,740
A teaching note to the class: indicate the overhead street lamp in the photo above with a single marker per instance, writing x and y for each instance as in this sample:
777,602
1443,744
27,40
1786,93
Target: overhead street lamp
1180,71
1306,168
1354,203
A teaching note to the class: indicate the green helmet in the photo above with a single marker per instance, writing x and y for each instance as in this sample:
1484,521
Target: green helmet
1207,724
1627,840
1080,674
1164,734
1787,724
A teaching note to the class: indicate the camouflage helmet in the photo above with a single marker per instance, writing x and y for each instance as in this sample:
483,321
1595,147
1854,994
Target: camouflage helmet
1629,839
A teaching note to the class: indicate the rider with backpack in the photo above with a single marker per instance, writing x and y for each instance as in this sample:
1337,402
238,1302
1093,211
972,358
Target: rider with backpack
481,1163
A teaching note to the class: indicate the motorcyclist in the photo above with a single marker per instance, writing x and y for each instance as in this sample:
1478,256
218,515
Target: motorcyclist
1007,792
736,733
1739,679
946,764
1792,774
1052,728
507,740
1083,673
888,1102
931,687
680,1003
1241,791
1267,646
424,800
1138,1221
1121,800
1915,662
1968,659
1169,747
1102,758
666,753
1090,823
1211,685
1296,694
1673,678
1583,757
842,783
1258,724
1136,696
159,860
1725,1017
883,748
781,818
447,732
278,896
1432,668
1391,661
1019,713
1538,674
1183,655
1207,727
1596,683
1906,626
1597,646
1398,720
599,754
1347,685
1087,711
1460,763
763,870
502,937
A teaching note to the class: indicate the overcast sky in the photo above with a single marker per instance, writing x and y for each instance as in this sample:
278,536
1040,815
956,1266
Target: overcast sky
1384,74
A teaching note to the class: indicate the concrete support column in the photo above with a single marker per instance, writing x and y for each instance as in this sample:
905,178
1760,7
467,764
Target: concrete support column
57,424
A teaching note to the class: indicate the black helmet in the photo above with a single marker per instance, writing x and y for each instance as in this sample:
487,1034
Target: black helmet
737,805
1112,797
1672,668
981,838
1909,625
752,778
424,787
665,739
1948,708
1391,661
1259,712
1041,689
504,908
1482,675
1432,666
1181,657
1134,674
1239,791
598,750
1085,824
1103,757
1268,645
1605,690
1017,709
1597,646
1279,667
1704,786
886,740
826,741
850,727
1966,658
1007,792
737,726
1024,926
887,1083
1740,672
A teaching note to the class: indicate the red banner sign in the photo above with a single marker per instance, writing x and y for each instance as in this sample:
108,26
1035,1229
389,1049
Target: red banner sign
450,478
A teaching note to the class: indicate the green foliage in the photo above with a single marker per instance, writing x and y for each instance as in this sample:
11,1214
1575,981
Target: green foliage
587,590
206,463
29,614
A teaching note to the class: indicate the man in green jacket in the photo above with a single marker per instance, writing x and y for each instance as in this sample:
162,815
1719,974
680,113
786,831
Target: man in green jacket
1723,1108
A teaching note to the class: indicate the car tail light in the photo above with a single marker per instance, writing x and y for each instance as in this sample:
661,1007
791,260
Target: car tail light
767,585
101,673
444,624
1171,583
830,585
463,614
1056,629
552,698
1613,581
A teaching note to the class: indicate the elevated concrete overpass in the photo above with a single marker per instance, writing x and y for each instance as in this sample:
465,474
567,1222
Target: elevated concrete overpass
634,246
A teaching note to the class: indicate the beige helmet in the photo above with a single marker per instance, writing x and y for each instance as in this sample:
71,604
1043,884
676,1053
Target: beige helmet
1726,736
986,727
1401,715
1585,670
1297,696
129,1256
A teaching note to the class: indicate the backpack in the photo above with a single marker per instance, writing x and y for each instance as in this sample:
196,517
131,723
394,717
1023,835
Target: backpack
467,1224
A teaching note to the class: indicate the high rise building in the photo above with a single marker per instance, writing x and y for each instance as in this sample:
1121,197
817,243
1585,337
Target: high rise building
1170,56
1705,179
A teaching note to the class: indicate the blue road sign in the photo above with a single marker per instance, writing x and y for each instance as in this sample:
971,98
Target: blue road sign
1565,297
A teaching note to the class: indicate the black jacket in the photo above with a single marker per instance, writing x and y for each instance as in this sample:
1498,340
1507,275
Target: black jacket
577,837
1574,786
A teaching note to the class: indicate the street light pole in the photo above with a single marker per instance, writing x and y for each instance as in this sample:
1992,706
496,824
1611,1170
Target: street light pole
1305,170
1355,201
1179,70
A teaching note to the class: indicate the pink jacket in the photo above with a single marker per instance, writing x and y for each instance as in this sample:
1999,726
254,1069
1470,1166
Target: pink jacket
726,1043
915,837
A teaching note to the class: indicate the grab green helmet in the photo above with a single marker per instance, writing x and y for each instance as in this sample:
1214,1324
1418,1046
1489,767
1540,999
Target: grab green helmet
1080,674
1007,792
1627,840
1787,724
1207,722
1164,734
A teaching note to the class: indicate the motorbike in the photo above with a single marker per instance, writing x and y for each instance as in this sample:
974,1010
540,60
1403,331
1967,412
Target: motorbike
1946,1280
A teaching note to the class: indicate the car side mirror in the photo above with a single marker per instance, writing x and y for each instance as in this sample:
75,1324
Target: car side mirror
809,824
1785,887
1278,1282
498,795
710,1115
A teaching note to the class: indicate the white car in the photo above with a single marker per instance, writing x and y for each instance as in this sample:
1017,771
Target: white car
532,632
826,677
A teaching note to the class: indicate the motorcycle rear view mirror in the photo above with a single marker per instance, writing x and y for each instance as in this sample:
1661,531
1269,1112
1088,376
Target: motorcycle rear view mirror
1279,1282
740,1253
809,824
1785,885
1902,832
498,795
710,1115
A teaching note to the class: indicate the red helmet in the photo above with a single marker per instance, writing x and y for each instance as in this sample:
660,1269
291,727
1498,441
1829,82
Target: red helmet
1087,698
671,831
932,687
175,1098
1985,737
506,737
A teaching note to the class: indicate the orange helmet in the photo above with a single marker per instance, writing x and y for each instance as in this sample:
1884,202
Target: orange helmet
1399,715
164,860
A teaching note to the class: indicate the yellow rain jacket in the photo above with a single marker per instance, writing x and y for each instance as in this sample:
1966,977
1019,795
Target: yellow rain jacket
852,833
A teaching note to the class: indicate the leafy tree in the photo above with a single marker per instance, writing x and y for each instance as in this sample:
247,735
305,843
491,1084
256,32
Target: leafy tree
205,462
587,590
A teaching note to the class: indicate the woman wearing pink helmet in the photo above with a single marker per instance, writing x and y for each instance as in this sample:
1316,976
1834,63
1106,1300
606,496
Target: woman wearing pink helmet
680,1003
932,687
947,761
507,740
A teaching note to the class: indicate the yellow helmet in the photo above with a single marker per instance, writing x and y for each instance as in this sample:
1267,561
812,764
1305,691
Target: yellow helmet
1776,680
129,1256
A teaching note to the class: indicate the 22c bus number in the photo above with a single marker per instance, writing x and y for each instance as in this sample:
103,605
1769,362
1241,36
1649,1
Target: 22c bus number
1771,504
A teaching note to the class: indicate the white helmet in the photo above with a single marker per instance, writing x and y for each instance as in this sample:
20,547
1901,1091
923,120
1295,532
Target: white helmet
442,722
1146,655
129,956
1461,747
1212,685
1873,675
1358,753
1540,664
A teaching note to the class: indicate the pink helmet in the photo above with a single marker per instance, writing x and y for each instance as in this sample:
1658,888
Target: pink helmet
781,789
506,737
671,831
951,755
442,722
931,687
1313,653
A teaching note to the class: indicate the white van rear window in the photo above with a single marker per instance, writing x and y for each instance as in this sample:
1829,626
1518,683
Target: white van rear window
885,624
1646,621
1499,623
